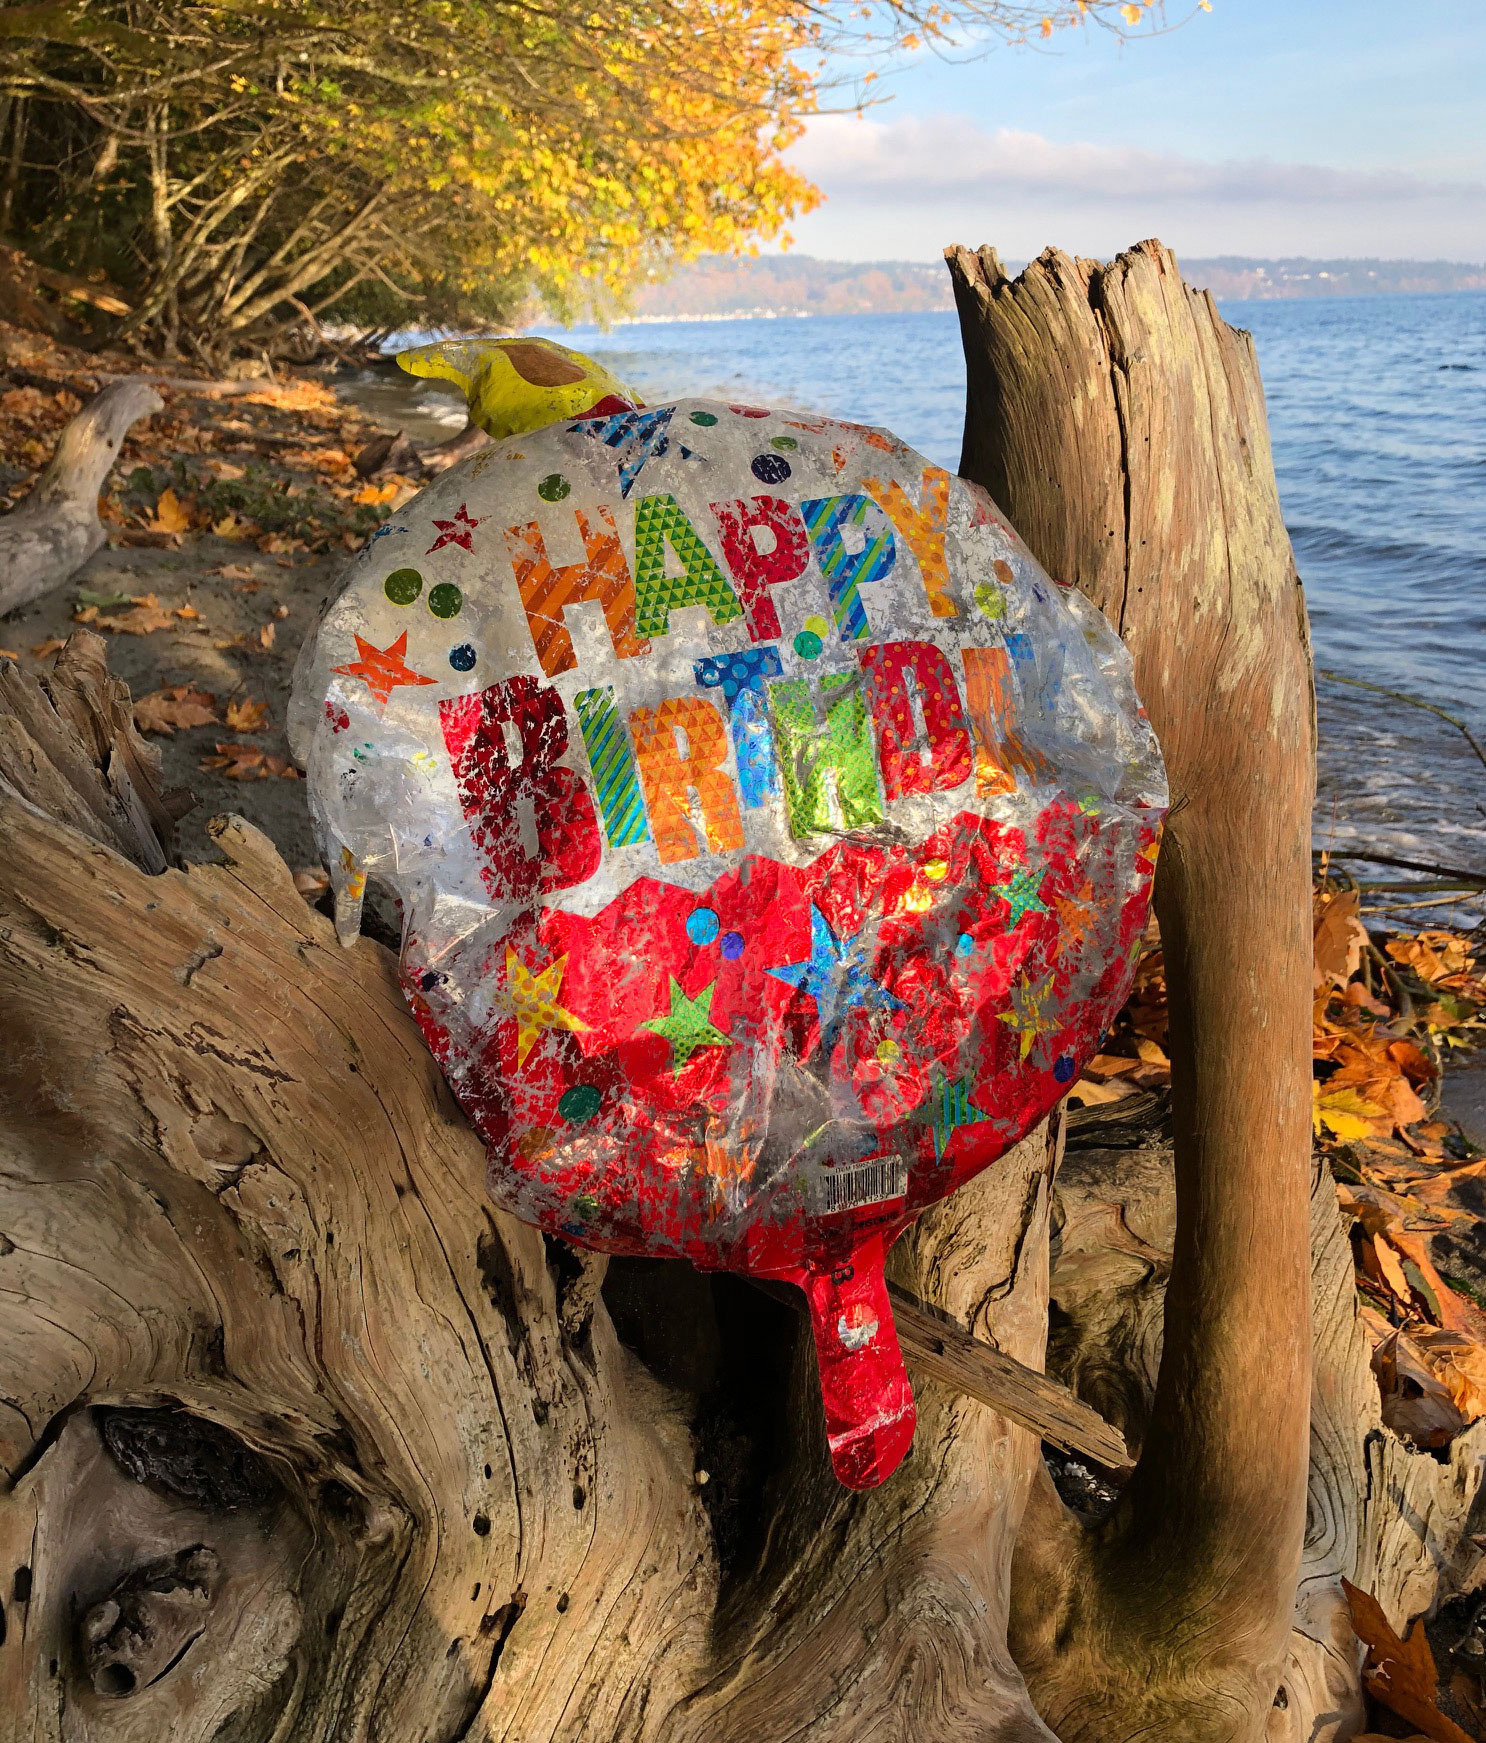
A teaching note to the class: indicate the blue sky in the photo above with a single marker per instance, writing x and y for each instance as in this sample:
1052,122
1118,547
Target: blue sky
1266,127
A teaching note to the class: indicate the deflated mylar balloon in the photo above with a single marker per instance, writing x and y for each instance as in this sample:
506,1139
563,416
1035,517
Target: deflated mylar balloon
773,838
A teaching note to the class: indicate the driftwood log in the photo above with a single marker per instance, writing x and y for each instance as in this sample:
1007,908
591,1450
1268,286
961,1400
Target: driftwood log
54,529
1120,423
301,1440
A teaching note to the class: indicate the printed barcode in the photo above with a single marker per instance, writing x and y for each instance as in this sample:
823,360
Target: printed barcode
870,1182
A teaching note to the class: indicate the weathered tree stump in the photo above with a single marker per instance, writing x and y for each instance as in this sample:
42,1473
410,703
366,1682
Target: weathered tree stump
1120,424
54,529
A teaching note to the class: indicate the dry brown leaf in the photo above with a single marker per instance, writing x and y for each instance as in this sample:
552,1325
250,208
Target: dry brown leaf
9,654
1416,1402
1458,1362
170,516
245,762
146,616
247,715
1339,939
1090,1094
187,611
52,645
1400,1674
232,572
265,636
312,881
232,527
1390,1266
178,707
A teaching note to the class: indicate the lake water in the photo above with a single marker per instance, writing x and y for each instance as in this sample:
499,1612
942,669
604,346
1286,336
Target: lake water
1378,417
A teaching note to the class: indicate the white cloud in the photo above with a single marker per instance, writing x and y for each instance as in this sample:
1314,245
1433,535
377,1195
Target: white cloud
904,188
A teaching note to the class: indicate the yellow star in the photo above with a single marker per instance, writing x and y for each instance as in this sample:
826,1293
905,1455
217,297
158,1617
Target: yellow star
1026,1015
532,1000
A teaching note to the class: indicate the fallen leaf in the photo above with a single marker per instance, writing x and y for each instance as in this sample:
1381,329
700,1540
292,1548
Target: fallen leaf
245,762
1458,1362
1390,1267
265,636
1400,1674
1090,1094
170,515
52,645
187,611
1338,940
312,881
181,706
376,493
1347,1115
247,716
232,572
230,527
144,619
9,654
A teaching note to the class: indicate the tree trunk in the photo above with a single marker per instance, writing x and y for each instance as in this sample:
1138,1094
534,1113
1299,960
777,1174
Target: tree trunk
52,532
1120,425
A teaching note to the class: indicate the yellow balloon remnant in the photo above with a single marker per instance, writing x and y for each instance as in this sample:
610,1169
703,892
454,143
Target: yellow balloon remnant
511,385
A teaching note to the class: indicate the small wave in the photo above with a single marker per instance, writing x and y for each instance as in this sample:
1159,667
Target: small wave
1468,367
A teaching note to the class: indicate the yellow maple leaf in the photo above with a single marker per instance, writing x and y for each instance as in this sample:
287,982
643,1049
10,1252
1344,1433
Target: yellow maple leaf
1346,1114
170,514
1130,14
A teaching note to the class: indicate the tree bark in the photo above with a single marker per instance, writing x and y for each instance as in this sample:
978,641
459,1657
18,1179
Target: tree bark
1120,425
53,531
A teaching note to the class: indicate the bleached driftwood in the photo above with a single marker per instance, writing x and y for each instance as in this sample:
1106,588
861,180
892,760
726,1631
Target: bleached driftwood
53,531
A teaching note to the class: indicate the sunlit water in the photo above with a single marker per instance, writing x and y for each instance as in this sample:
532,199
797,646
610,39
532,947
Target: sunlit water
1378,416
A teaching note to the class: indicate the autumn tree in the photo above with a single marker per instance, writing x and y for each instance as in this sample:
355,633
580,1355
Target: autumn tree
241,168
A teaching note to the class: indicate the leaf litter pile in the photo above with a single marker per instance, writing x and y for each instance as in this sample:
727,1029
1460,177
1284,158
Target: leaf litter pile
228,515
1388,1010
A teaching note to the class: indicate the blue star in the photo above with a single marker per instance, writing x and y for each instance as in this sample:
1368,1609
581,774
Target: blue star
835,976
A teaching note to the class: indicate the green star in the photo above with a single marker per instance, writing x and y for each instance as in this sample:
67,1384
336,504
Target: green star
688,1025
1024,892
949,1107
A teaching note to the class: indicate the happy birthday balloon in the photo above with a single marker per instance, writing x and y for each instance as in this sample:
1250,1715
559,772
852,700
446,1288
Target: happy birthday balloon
773,838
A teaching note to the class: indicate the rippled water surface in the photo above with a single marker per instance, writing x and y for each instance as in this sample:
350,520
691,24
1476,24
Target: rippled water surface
1378,417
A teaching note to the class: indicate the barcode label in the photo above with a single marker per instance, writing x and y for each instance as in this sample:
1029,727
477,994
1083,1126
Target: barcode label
871,1182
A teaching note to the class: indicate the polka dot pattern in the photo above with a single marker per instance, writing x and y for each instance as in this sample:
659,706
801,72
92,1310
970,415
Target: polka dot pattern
553,488
770,468
579,1104
701,925
403,586
463,657
445,600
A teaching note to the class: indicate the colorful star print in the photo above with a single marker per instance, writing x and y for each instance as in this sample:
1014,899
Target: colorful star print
383,669
635,437
1075,917
835,975
532,1000
459,531
949,1107
688,1024
1027,1016
1024,892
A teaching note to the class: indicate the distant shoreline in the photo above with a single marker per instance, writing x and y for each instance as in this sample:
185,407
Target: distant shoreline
791,286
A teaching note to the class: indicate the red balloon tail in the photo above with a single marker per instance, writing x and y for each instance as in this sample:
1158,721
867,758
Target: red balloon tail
868,1401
